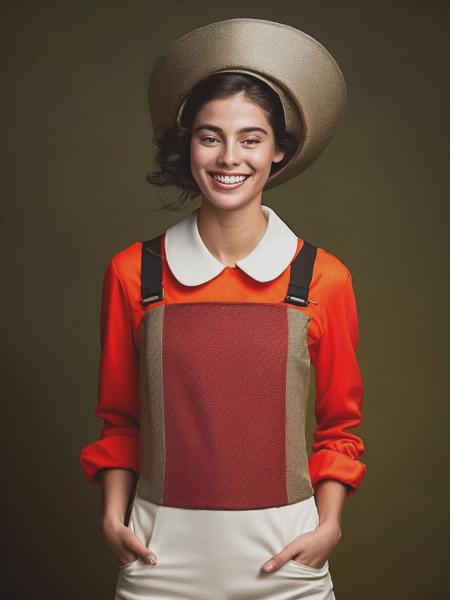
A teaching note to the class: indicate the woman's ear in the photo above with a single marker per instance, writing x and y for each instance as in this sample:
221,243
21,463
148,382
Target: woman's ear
278,156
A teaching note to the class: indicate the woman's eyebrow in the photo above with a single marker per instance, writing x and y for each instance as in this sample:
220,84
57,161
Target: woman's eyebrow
219,130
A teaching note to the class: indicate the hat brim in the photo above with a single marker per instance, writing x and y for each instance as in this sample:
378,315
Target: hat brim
300,69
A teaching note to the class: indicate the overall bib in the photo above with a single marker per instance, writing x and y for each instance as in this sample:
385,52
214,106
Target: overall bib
224,480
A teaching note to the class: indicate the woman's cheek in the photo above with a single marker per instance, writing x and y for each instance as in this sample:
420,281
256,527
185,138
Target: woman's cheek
200,155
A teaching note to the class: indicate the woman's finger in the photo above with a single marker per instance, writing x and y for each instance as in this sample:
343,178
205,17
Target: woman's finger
278,560
139,550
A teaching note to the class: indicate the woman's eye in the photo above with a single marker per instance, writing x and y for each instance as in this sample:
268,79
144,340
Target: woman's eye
209,138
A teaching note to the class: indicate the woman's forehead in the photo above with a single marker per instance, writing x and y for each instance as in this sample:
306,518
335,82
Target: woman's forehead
231,113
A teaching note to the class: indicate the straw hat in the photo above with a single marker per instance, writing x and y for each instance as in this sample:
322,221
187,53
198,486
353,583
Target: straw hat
305,76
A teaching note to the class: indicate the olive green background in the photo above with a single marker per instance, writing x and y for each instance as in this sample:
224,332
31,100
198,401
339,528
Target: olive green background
76,147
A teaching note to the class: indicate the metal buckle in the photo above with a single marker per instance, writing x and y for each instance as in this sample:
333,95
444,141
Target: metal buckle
155,298
300,301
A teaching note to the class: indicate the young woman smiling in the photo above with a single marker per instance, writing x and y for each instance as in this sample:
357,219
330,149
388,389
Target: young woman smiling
208,332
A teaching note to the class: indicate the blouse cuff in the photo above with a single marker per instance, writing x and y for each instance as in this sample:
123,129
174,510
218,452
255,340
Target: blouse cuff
330,464
110,452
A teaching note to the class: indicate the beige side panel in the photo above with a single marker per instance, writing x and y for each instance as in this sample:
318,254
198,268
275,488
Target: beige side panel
152,443
297,388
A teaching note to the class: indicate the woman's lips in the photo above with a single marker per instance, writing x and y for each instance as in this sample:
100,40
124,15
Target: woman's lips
227,186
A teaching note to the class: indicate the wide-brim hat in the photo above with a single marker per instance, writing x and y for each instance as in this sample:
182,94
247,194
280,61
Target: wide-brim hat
300,69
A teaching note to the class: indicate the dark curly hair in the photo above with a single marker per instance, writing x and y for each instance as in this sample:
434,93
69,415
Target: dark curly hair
173,150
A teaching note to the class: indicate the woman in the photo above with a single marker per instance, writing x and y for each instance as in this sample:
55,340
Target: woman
208,332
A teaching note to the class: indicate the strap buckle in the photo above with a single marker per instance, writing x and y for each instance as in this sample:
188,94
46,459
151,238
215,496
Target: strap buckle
296,300
299,301
152,295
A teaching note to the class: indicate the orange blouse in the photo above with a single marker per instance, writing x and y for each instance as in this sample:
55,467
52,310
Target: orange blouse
332,343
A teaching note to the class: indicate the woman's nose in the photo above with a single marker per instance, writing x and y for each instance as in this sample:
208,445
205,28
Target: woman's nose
230,155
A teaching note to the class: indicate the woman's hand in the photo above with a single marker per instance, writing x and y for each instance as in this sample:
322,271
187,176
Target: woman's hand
125,546
117,486
311,548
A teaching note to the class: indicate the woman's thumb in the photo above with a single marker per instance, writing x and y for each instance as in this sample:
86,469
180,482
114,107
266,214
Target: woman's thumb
136,546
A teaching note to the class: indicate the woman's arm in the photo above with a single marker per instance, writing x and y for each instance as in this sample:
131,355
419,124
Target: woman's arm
339,394
118,385
112,461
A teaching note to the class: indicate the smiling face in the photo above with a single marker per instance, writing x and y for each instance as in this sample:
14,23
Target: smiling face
232,137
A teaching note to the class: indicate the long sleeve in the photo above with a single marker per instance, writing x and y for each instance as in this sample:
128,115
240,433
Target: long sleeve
118,385
339,395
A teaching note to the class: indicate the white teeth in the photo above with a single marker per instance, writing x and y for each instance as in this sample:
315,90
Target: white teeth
229,180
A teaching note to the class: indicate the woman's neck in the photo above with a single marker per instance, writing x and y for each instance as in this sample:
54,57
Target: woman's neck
231,235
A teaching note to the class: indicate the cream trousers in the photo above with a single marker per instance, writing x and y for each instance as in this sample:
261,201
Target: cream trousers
218,554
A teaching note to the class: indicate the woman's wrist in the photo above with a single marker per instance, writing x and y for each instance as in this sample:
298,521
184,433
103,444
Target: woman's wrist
117,489
333,527
111,519
330,497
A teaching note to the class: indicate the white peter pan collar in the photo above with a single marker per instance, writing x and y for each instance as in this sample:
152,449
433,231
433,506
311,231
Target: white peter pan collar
192,263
